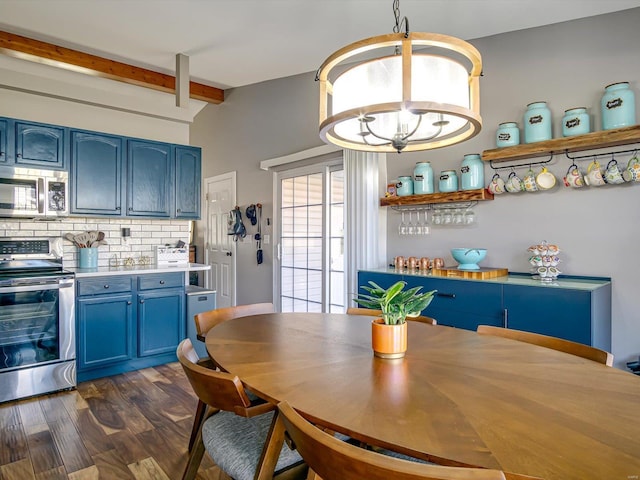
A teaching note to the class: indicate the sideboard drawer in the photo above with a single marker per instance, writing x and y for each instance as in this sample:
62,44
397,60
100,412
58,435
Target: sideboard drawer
103,285
160,280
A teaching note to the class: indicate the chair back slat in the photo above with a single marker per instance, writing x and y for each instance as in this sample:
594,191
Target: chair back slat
332,458
214,388
560,344
205,321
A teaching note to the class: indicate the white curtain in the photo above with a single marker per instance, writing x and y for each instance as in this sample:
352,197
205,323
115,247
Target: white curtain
366,221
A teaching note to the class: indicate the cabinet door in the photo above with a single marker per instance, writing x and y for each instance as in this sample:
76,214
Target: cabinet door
188,179
461,303
559,313
96,174
149,173
105,329
40,145
161,324
4,143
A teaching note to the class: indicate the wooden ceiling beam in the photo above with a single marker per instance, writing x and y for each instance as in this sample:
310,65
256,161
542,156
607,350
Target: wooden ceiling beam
55,55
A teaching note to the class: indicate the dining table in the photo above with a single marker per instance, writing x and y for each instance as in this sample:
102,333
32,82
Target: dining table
457,398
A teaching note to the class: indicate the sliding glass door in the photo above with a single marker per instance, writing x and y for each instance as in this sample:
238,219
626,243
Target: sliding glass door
310,263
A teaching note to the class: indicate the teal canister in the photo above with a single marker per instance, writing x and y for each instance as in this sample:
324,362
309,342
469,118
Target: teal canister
537,123
448,181
422,178
472,172
618,106
507,135
404,186
575,122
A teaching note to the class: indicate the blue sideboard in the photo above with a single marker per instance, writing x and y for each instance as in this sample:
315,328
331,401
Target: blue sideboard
573,308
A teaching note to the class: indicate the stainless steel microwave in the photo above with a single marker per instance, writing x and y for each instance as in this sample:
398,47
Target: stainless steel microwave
33,193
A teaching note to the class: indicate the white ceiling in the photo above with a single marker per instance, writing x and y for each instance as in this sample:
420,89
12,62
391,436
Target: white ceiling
233,43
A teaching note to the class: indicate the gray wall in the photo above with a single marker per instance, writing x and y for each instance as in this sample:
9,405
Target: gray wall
566,64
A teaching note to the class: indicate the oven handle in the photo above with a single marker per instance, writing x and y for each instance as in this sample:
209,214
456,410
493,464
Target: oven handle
36,287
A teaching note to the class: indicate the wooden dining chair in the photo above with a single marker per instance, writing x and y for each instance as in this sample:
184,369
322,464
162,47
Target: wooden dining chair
560,344
242,437
205,321
376,313
331,459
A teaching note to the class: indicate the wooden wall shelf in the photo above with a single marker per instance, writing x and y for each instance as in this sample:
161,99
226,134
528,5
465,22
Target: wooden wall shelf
589,141
432,198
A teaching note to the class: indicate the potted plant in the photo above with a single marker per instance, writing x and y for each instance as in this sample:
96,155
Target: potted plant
389,333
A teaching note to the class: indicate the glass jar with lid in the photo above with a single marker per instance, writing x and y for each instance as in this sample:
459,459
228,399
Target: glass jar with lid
507,135
448,181
422,178
537,123
404,186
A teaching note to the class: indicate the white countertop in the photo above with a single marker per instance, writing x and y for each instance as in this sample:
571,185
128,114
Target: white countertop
138,270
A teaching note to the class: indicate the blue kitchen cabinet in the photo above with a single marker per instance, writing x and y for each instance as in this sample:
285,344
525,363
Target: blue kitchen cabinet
4,141
40,145
187,182
149,179
96,173
581,316
461,304
114,337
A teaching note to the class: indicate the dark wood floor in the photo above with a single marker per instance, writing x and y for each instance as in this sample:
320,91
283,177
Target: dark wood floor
130,426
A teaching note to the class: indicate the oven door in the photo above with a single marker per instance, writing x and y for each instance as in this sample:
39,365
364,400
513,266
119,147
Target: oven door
37,339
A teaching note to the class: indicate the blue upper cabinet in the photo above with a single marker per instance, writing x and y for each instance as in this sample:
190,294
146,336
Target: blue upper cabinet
149,179
4,143
187,184
96,173
39,145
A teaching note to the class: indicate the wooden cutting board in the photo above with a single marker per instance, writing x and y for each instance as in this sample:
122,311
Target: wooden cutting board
483,273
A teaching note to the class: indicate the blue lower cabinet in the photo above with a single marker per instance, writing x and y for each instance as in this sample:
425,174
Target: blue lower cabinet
114,337
575,308
105,330
161,325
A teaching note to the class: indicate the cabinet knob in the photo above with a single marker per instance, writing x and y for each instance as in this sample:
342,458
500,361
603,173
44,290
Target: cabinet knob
129,303
1,154
117,208
228,254
19,155
106,286
161,282
179,210
141,300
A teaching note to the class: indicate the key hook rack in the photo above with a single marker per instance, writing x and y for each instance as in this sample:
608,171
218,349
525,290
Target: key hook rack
593,156
523,164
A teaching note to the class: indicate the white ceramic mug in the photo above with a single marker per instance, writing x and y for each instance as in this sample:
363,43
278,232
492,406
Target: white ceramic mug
612,174
496,186
632,173
513,183
529,181
594,177
574,177
545,179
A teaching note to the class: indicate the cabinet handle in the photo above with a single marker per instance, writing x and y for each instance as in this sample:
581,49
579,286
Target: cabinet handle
161,282
130,208
117,208
228,254
505,320
106,286
179,210
446,295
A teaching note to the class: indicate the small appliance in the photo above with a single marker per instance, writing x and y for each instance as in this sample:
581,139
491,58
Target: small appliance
33,193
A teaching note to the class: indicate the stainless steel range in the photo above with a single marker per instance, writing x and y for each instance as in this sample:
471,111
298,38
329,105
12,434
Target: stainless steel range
37,318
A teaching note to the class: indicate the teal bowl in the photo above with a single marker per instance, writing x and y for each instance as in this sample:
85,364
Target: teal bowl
468,258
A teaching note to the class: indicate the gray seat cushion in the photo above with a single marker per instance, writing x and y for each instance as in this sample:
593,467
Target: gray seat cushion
235,443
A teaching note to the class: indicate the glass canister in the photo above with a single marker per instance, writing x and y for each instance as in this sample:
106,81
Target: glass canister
507,135
618,106
575,122
422,178
537,123
448,181
404,186
472,172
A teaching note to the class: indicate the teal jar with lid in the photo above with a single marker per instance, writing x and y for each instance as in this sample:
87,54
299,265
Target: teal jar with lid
537,123
422,178
448,181
404,186
472,172
507,135
575,122
618,106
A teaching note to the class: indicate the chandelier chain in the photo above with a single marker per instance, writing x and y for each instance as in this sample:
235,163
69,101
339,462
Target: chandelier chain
399,23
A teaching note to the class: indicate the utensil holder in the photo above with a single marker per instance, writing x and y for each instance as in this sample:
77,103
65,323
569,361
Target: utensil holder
88,258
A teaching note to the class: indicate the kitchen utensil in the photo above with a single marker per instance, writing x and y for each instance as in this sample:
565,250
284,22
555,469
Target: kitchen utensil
81,239
71,237
468,258
93,236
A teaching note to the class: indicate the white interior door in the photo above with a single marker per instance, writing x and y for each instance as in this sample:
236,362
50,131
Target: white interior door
220,249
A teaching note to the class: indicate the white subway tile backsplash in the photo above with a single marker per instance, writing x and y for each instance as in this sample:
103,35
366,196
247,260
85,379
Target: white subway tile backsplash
146,234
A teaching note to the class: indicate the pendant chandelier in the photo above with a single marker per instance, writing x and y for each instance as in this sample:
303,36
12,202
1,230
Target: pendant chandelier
403,91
